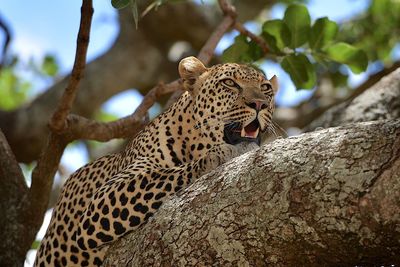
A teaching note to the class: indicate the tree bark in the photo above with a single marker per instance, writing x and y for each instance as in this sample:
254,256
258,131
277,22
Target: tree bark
380,102
12,188
325,198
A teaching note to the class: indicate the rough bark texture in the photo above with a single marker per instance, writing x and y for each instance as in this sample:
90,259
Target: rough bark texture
381,101
326,198
9,219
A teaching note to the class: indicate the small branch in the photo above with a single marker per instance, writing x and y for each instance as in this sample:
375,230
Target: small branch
82,128
207,51
230,11
58,120
258,40
227,8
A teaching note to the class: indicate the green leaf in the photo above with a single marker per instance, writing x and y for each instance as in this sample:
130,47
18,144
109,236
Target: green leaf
277,34
254,51
35,244
49,66
236,52
298,20
13,89
322,33
300,69
338,79
135,12
118,4
104,116
380,7
347,54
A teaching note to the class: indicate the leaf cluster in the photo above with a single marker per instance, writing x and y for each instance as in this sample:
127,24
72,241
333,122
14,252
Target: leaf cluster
300,46
377,31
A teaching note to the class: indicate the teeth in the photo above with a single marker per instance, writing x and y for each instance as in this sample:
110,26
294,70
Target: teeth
256,133
243,133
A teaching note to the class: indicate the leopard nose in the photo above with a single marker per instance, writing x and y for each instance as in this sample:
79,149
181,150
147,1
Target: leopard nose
257,104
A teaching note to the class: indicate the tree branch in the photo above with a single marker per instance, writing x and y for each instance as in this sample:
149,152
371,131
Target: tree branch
381,101
261,43
7,41
12,188
58,120
207,51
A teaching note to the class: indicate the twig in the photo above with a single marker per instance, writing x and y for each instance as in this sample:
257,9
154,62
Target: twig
227,8
7,40
58,122
230,11
258,40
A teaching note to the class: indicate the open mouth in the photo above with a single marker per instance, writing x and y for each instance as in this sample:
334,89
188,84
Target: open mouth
234,133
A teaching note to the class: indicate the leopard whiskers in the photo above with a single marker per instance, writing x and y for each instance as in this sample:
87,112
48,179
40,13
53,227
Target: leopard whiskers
277,126
271,129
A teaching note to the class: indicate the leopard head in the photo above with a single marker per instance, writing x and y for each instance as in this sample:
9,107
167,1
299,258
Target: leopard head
233,98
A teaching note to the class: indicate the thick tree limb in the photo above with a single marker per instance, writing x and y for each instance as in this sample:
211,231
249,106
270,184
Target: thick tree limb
305,112
326,198
13,186
381,101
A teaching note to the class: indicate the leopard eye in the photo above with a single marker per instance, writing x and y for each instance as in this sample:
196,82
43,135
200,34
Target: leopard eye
266,86
231,83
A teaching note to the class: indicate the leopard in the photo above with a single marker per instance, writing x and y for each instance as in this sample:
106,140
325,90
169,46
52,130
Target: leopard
222,113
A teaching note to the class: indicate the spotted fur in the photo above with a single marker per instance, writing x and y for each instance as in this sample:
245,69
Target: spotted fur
115,194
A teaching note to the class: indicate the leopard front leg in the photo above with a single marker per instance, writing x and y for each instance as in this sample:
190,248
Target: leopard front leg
127,200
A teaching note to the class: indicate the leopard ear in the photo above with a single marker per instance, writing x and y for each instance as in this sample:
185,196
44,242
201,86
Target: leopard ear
190,68
274,83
